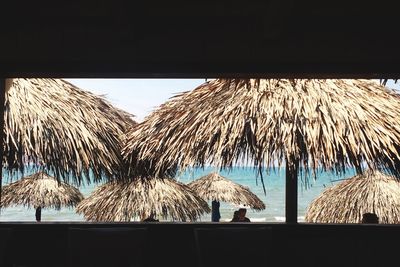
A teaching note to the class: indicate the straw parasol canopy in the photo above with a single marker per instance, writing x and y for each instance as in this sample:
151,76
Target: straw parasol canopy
346,202
301,123
73,132
40,190
216,187
121,201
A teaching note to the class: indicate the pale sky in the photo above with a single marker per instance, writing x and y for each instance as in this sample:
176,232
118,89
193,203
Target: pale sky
137,96
141,96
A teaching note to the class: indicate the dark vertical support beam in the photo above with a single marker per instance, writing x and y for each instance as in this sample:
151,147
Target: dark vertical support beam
38,214
2,100
291,196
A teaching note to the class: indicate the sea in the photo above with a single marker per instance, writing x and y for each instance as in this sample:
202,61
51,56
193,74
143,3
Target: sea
310,187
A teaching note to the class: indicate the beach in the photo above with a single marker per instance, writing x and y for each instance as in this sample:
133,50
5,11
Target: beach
274,198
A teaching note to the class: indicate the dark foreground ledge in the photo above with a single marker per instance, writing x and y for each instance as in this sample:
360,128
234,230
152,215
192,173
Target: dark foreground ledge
197,244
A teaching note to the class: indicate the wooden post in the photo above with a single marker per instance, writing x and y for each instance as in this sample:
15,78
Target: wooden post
38,214
2,100
291,197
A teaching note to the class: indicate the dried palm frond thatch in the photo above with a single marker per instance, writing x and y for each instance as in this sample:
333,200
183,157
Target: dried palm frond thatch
216,187
346,202
40,190
121,201
70,130
302,123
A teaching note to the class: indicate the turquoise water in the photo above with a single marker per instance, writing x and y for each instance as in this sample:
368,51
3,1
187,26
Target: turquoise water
274,198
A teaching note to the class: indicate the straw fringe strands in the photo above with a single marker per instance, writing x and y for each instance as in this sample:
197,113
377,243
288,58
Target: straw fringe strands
216,187
122,201
301,123
346,202
40,190
70,130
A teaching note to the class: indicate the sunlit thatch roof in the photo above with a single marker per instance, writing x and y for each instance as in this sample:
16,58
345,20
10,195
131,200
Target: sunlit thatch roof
42,190
121,201
328,123
72,131
346,202
216,187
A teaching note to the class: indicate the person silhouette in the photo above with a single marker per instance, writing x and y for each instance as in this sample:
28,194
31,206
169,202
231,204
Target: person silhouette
215,215
242,215
235,216
370,218
151,218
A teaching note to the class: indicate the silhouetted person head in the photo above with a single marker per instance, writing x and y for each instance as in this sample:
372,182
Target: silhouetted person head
242,215
235,216
370,218
242,212
151,218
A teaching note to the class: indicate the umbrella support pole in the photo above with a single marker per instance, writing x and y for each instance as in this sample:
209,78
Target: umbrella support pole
38,214
2,100
291,197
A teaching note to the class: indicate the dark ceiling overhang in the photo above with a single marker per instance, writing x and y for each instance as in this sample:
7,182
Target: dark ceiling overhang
276,38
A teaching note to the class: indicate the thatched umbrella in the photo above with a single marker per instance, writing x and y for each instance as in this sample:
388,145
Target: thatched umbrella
217,188
121,201
73,132
40,190
346,202
303,124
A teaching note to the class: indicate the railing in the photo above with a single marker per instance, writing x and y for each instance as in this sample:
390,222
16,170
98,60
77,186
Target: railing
197,244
